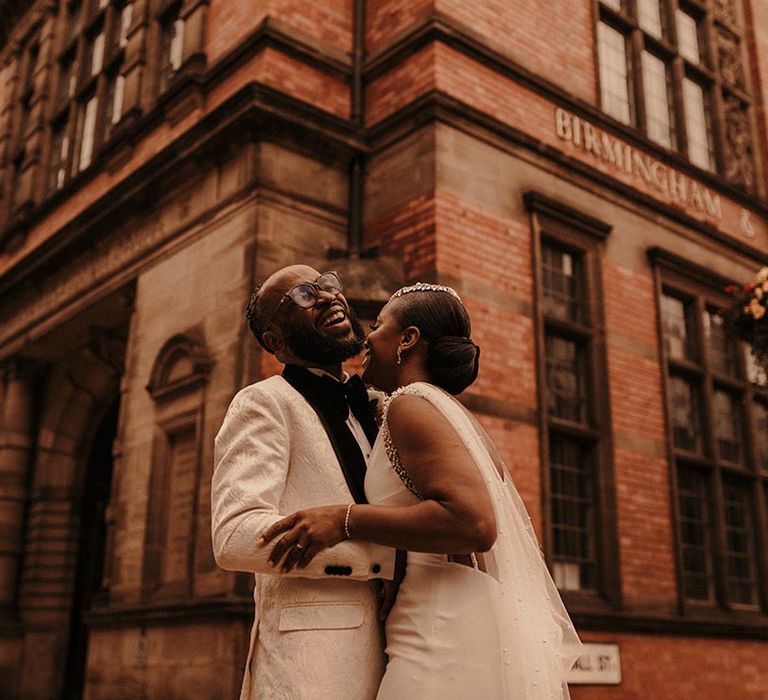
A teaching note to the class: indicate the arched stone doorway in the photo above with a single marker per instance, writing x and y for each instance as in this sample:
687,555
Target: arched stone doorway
80,368
89,574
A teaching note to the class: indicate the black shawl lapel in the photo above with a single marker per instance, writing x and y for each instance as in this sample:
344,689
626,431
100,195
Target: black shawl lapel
320,396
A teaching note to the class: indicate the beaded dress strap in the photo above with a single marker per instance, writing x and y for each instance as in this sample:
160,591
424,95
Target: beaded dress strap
389,446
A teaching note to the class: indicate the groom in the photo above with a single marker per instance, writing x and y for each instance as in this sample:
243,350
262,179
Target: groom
291,442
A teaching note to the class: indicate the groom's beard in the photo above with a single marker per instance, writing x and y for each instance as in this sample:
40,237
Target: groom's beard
310,345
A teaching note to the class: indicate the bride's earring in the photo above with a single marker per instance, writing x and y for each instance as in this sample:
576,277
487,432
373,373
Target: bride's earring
399,355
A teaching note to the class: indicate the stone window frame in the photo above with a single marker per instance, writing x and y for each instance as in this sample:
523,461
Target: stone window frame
584,235
705,290
179,399
722,71
171,28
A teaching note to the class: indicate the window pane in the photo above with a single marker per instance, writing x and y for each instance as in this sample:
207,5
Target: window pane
740,543
649,16
685,411
562,277
688,36
126,17
171,50
614,88
177,44
728,420
722,350
120,26
114,101
697,125
677,327
760,410
97,54
566,379
67,79
59,153
695,534
88,126
572,502
659,124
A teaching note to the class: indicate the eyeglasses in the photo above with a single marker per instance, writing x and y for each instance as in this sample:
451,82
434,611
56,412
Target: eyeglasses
305,295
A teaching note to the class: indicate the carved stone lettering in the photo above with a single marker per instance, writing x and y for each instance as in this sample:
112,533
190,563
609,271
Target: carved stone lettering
673,184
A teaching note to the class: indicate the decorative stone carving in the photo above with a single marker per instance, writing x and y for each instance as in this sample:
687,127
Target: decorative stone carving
729,56
726,10
183,363
739,160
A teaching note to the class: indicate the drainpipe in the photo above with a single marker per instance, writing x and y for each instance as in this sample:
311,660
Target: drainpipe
357,166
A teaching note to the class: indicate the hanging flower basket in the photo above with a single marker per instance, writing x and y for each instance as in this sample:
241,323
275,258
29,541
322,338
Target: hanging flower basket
747,317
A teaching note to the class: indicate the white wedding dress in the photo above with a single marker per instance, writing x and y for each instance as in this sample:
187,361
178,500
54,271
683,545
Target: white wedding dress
494,630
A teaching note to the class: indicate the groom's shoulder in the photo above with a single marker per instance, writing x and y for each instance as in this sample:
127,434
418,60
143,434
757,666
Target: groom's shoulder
269,389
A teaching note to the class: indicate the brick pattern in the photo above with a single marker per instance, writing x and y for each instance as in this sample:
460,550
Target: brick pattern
408,231
659,667
386,20
328,22
301,81
553,39
498,271
637,411
401,86
229,23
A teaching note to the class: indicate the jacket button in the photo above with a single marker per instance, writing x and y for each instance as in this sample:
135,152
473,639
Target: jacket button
376,568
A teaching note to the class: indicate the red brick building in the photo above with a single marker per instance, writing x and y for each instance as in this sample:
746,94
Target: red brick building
588,174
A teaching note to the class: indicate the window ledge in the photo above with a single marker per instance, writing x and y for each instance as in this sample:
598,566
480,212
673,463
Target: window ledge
179,609
713,623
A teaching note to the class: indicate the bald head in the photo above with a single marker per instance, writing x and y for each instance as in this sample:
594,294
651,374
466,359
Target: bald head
265,299
278,283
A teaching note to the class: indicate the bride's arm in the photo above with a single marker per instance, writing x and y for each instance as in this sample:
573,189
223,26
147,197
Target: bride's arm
455,516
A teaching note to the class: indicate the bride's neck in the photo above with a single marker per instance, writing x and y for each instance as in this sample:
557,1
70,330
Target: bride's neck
411,372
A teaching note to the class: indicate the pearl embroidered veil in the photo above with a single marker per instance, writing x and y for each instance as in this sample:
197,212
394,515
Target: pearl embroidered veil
537,636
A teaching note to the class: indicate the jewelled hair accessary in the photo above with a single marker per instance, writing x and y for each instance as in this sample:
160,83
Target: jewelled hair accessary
425,287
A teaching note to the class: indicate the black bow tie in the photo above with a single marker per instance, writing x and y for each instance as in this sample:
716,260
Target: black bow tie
349,395
352,396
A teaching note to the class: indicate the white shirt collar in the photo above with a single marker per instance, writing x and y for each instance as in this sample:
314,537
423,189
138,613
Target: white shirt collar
322,372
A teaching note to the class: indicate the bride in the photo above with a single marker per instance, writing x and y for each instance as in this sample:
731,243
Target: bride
477,614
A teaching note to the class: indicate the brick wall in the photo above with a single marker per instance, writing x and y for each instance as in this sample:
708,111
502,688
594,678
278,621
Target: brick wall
659,667
328,22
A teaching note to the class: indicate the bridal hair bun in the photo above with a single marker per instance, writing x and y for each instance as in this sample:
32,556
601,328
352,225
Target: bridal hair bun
442,320
453,362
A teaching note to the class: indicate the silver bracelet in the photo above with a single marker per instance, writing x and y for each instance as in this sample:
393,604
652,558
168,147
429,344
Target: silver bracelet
346,521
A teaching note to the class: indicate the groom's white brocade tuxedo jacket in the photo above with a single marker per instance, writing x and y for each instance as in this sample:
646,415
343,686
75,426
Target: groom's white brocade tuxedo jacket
316,633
